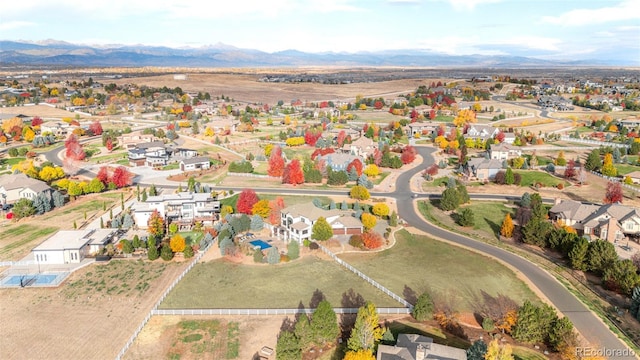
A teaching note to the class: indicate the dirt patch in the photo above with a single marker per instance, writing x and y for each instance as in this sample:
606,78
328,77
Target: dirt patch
58,323
43,111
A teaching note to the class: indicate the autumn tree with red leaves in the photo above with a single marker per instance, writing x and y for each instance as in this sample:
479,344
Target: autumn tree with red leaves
614,193
276,162
570,170
103,175
36,121
109,144
357,164
311,137
293,173
121,177
275,206
73,148
432,114
372,240
500,137
408,154
246,200
96,128
342,135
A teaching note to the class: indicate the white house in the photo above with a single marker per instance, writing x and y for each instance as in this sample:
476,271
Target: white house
184,208
71,246
298,221
504,151
195,163
362,147
418,347
14,187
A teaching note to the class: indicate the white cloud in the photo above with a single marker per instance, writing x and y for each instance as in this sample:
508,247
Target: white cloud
10,25
625,10
470,5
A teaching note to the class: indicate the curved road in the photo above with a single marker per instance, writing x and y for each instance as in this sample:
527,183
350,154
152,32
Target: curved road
587,323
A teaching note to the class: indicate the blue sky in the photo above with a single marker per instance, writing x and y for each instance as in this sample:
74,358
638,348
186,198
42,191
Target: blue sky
549,29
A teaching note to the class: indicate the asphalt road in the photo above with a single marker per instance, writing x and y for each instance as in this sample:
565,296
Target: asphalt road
588,324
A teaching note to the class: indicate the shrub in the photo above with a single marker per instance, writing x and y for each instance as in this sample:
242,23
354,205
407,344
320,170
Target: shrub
465,217
488,324
241,167
560,186
372,240
258,257
314,246
356,241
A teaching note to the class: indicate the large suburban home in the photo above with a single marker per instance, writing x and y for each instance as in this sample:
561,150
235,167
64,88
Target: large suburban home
339,162
611,222
129,141
484,169
14,187
152,153
298,220
421,129
72,246
503,151
418,347
630,123
362,147
482,132
195,163
57,128
183,208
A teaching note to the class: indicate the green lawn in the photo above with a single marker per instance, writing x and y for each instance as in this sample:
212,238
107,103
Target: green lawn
444,118
222,284
20,237
191,237
624,169
288,199
171,166
417,264
489,215
530,177
381,177
11,161
108,157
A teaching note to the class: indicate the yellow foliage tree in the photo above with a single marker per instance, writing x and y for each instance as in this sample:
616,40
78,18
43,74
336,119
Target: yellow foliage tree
506,229
54,92
368,221
8,124
261,208
361,354
359,192
507,323
465,116
28,134
380,209
495,351
209,132
476,107
78,101
442,142
177,243
372,170
26,167
50,173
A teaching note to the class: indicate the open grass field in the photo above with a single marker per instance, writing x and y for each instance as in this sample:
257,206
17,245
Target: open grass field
224,284
417,264
77,320
530,177
8,162
624,169
43,111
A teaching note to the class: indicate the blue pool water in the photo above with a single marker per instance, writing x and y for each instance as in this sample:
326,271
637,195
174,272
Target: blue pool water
39,279
263,245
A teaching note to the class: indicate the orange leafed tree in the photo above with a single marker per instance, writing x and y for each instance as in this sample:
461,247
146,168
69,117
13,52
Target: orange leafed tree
275,207
276,162
8,124
464,117
372,240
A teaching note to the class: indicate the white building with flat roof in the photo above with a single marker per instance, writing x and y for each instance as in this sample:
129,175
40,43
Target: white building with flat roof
71,246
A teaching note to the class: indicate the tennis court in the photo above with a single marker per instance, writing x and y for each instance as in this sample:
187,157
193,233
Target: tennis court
24,280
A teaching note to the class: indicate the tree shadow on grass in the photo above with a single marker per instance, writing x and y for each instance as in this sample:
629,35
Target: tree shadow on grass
316,298
495,228
409,295
350,299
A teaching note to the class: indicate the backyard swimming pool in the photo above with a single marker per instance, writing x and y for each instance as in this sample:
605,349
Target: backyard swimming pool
262,244
33,279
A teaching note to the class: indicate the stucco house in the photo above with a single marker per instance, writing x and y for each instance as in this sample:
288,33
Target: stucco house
421,129
362,147
72,246
503,151
611,222
418,347
482,132
484,169
338,161
195,163
184,208
298,220
14,187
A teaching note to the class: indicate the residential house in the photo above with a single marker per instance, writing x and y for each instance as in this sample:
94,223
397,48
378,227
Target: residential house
484,169
57,128
14,187
195,163
630,123
611,222
421,129
504,151
298,220
72,246
418,347
182,153
482,132
362,147
152,153
129,141
184,208
338,161
223,126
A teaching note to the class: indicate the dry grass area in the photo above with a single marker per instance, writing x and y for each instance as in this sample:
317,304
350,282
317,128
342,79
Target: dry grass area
164,336
74,321
248,88
43,111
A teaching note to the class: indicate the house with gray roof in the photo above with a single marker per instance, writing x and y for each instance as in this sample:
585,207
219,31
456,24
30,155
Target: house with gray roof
484,169
611,222
14,187
418,347
503,151
72,246
298,220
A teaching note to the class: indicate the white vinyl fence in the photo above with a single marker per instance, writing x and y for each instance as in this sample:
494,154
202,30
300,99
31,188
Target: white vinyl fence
256,312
